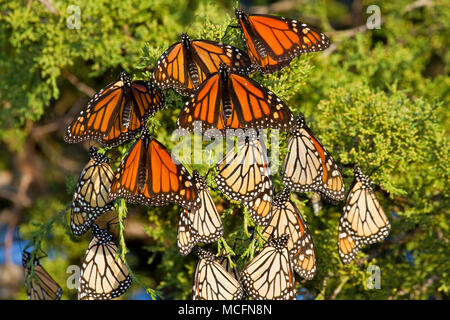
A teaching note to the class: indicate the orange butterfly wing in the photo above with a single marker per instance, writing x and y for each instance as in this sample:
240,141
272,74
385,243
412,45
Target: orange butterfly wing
209,54
148,175
171,70
272,42
116,113
186,64
252,106
204,106
257,107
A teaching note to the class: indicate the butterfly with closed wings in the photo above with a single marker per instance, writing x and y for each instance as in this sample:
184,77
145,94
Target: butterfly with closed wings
38,283
269,275
102,276
363,220
287,219
244,176
201,225
91,196
212,281
308,166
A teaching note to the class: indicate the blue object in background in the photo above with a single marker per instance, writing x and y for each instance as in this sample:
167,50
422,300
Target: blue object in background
410,258
141,294
304,295
16,248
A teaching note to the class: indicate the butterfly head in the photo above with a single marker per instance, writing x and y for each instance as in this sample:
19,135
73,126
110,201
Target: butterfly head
26,256
145,133
240,15
224,72
98,157
185,40
125,78
282,197
198,180
204,254
223,68
360,176
280,242
102,235
301,120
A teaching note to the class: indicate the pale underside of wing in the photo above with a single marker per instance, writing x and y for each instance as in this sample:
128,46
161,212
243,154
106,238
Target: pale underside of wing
103,277
242,175
302,164
206,222
287,220
269,276
213,282
362,222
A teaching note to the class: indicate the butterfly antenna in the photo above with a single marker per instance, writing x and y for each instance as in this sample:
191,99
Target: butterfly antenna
207,173
206,176
230,26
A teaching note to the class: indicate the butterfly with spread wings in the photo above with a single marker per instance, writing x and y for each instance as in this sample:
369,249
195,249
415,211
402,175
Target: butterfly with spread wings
201,225
38,283
149,175
91,197
244,176
117,113
229,100
212,281
273,42
287,219
186,64
269,275
363,220
308,166
102,276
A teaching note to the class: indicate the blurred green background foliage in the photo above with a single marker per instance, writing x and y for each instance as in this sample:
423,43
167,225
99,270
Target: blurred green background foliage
376,97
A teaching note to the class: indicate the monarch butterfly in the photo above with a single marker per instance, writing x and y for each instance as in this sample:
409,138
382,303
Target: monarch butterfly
229,100
201,225
269,276
363,220
212,281
102,276
91,197
309,167
273,42
186,237
244,176
287,219
186,64
205,221
39,285
116,113
149,175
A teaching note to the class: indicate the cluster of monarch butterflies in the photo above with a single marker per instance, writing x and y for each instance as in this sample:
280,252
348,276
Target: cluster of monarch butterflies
215,77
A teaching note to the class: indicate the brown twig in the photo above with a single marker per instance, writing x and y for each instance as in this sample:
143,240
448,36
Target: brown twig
48,4
418,4
82,87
